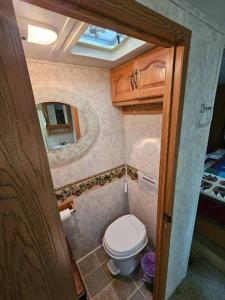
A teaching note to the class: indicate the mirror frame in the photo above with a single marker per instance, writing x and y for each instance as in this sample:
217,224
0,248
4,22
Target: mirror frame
70,153
65,127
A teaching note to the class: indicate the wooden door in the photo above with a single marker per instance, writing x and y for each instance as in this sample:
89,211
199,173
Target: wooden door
34,262
123,87
149,70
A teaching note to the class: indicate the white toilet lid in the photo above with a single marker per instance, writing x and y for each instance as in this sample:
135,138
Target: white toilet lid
125,234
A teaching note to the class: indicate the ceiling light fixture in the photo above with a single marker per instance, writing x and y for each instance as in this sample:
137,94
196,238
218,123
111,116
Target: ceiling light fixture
40,35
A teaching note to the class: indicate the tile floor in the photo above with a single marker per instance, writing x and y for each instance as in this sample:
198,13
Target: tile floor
101,285
203,281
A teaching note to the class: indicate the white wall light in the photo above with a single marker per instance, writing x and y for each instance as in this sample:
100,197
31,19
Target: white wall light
40,35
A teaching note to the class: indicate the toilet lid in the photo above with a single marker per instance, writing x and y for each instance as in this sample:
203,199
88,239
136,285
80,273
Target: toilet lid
125,234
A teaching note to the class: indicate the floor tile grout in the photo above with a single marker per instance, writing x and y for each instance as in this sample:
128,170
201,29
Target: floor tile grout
141,292
97,258
132,294
134,281
98,266
89,253
109,281
103,290
90,272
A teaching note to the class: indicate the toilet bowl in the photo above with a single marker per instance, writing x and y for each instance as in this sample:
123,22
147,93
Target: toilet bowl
123,241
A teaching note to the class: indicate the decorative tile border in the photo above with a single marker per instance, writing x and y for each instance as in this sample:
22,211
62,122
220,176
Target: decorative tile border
132,172
79,187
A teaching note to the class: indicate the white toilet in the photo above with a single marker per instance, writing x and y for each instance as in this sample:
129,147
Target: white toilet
123,241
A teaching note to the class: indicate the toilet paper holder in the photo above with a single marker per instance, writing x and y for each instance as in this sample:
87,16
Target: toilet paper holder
68,203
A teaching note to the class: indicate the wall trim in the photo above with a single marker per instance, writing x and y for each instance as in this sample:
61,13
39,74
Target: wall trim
132,172
77,188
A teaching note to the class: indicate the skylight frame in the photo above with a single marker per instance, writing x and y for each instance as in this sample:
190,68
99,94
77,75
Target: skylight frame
88,39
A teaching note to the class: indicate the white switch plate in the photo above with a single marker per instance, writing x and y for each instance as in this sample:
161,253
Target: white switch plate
147,182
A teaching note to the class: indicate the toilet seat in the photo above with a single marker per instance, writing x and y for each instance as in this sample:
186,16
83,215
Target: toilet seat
125,237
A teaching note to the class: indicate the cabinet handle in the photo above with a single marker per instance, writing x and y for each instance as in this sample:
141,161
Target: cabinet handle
132,81
136,78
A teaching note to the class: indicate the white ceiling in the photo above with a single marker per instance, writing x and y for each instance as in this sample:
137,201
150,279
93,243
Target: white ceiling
69,31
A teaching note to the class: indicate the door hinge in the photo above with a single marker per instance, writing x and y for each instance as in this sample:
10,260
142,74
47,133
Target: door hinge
167,218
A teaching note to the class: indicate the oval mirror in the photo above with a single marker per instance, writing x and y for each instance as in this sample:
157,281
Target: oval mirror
69,125
61,124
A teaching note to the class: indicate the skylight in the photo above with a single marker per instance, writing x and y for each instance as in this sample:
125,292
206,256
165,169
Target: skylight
101,37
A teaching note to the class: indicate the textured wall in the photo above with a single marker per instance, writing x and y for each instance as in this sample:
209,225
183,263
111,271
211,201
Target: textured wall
92,85
95,211
142,151
203,71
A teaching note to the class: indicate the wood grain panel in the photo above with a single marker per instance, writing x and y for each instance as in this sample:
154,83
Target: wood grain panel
76,122
127,16
34,262
121,80
150,70
140,78
144,109
172,113
139,101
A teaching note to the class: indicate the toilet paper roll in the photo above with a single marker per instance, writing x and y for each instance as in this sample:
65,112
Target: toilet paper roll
65,214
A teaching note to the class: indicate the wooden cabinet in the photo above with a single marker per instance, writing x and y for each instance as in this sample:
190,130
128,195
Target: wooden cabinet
150,71
140,79
122,83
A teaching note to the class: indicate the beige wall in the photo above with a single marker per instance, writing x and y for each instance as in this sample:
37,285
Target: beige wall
96,209
142,151
92,85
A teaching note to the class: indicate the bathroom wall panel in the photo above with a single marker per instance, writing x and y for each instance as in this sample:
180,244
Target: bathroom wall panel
206,50
142,151
143,205
92,85
142,141
95,211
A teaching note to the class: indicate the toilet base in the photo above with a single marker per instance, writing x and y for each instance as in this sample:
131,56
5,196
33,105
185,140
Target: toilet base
122,267
112,268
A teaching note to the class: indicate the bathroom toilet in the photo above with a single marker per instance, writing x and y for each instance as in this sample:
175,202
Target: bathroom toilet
123,241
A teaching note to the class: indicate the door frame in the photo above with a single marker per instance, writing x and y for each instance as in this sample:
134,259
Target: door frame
138,21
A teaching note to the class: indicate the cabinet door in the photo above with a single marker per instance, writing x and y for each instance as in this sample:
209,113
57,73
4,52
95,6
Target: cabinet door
122,83
150,74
